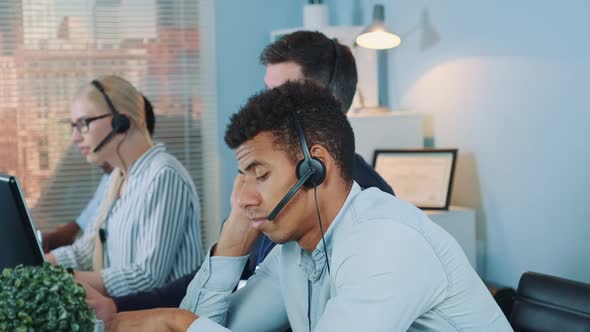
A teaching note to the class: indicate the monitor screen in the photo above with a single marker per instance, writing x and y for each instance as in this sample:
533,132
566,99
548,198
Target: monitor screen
18,241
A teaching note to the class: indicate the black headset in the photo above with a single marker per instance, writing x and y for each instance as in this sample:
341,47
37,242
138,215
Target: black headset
120,123
310,171
336,65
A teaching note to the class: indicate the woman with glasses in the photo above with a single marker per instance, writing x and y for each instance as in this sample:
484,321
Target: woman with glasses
67,233
147,231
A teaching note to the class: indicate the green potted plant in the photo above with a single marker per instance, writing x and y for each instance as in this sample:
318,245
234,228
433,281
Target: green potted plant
42,298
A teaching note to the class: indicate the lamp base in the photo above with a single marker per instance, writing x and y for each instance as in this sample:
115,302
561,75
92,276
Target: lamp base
373,110
315,16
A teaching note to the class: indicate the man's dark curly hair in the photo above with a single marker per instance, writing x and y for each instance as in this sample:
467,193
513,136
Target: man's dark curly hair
316,54
316,109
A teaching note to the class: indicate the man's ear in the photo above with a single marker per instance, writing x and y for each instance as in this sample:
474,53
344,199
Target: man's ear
320,152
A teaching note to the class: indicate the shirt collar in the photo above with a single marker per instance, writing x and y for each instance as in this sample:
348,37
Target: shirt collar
355,190
318,256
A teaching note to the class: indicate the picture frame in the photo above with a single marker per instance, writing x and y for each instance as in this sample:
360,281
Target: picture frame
423,177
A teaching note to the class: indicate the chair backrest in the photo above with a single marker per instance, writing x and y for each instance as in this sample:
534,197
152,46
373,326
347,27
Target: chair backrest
547,303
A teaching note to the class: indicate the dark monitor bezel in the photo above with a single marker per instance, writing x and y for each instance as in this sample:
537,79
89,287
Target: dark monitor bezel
23,210
426,151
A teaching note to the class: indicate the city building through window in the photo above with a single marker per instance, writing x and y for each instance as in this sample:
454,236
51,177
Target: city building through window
49,48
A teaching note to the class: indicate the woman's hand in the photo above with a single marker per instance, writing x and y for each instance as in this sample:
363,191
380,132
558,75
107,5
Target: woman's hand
50,258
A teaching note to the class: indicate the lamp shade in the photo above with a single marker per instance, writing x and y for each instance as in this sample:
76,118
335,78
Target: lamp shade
377,36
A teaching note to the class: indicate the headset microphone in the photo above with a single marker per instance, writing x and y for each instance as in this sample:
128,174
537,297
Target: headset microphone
310,171
289,195
105,141
120,123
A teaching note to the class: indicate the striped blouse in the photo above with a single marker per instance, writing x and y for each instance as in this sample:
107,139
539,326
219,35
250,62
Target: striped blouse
152,231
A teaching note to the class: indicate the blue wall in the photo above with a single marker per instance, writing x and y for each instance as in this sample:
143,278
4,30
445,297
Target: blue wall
505,82
242,30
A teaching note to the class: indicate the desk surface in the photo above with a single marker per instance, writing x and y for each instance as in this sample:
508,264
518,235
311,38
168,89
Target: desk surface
452,208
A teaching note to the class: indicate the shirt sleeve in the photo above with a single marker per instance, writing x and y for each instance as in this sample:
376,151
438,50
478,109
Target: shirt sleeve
204,324
163,223
371,294
77,256
167,296
258,306
208,294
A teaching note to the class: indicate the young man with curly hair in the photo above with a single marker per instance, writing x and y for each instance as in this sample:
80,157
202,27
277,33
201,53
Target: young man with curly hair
347,259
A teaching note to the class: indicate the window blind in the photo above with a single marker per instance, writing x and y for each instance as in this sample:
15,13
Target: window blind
48,48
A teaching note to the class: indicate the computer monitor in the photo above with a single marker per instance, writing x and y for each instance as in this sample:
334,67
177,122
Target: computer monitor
18,236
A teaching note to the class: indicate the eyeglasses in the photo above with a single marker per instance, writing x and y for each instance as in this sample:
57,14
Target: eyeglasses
82,124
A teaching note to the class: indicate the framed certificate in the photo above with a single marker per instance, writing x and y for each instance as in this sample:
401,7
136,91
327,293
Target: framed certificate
422,177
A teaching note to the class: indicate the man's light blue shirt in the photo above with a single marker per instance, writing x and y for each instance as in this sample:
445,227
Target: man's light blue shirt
391,269
90,212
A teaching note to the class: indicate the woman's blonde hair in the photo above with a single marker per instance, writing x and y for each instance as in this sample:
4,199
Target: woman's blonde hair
128,101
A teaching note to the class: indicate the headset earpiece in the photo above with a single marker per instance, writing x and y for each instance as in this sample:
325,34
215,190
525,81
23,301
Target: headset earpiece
120,123
318,175
308,165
